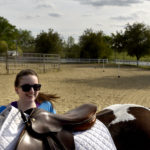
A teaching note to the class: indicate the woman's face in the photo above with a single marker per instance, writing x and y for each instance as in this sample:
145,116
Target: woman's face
29,95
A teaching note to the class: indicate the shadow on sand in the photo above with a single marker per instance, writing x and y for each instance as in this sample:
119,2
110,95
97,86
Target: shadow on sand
113,82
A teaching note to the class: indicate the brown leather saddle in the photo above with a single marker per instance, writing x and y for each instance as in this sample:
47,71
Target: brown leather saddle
46,131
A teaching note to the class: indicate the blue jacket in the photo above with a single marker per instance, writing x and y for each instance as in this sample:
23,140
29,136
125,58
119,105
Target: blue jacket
46,105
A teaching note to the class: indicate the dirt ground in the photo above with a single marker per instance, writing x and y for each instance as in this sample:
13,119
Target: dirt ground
79,84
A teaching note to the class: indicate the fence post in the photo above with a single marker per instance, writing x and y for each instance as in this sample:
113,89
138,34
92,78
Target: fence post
103,65
118,70
44,67
7,68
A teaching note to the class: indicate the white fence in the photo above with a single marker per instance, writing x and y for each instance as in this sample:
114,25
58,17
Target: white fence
132,62
44,62
37,61
83,60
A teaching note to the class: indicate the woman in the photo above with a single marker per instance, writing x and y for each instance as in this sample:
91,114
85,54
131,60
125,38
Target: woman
27,87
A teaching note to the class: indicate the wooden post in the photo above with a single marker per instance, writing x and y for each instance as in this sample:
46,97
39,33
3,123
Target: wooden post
7,65
103,65
44,65
118,70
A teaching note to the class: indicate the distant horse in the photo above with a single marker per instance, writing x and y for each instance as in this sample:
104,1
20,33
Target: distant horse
77,129
128,124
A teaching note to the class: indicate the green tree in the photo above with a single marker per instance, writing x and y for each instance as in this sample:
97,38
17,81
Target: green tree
93,45
24,40
107,46
70,41
16,39
50,42
71,49
135,40
118,41
3,46
7,31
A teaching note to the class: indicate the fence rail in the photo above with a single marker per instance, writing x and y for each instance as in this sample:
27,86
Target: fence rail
44,62
83,60
39,62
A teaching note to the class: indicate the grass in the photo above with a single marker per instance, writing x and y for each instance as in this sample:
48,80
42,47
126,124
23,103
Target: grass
125,56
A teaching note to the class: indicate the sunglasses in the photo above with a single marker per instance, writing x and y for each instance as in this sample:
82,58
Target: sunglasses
27,87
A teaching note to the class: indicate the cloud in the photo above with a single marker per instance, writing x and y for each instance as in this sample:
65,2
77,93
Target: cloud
122,18
56,15
32,17
7,2
110,2
44,6
86,15
99,25
125,18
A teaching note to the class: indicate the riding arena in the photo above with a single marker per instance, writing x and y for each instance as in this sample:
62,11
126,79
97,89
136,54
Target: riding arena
81,83
100,83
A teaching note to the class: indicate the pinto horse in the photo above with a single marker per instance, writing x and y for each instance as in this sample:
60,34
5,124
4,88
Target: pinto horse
128,124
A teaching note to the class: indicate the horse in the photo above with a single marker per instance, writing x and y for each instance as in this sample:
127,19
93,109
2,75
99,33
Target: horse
38,129
128,124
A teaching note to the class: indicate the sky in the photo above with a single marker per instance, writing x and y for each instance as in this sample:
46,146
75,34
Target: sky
73,17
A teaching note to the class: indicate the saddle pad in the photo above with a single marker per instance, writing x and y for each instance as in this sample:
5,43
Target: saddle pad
11,126
96,138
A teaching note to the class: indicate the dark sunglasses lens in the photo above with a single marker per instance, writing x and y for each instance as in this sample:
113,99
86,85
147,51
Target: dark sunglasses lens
26,87
36,87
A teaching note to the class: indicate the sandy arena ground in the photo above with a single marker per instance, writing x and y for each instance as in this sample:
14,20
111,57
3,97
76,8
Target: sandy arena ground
79,84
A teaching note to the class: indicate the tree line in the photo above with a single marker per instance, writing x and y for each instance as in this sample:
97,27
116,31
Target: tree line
134,39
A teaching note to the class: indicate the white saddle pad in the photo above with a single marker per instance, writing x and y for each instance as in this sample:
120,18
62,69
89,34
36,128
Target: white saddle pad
11,126
96,138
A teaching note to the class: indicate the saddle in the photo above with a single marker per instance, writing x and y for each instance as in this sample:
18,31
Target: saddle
46,131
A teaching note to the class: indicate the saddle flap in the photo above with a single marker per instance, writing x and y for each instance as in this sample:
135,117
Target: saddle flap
78,119
42,122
